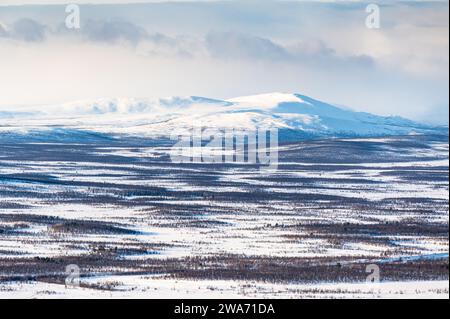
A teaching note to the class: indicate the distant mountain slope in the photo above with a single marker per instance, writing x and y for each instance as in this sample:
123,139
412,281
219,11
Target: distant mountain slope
295,115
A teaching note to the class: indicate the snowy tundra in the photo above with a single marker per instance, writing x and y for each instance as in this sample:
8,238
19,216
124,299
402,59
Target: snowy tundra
92,185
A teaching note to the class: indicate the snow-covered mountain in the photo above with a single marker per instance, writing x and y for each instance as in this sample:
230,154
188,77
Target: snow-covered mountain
294,115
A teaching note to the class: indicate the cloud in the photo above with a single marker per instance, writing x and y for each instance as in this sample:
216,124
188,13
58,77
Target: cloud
113,31
241,46
2,30
119,31
238,46
57,2
27,30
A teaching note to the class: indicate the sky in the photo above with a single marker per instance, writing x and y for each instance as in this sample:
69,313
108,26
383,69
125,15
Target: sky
225,49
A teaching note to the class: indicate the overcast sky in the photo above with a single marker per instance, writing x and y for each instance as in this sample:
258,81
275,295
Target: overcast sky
230,48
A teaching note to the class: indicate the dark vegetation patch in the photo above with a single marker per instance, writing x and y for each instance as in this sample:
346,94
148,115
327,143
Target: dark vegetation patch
308,270
225,267
12,229
61,225
388,229
13,205
419,176
30,218
91,227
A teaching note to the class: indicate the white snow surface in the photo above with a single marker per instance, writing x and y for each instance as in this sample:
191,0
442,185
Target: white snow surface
158,287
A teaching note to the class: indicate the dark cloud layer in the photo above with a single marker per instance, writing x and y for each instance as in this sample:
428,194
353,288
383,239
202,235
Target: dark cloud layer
219,45
27,30
237,46
113,31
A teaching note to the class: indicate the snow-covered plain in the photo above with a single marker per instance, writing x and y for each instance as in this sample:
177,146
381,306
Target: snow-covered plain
130,209
92,184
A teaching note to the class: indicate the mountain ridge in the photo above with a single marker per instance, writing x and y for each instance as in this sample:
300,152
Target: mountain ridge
295,113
